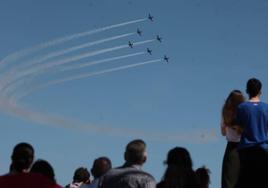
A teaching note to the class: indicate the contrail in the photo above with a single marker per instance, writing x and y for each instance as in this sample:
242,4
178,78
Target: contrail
99,72
9,75
35,70
73,67
9,90
68,50
18,96
14,109
27,51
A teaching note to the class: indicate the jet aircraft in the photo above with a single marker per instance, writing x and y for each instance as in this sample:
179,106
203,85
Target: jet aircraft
159,38
149,51
150,17
166,58
139,32
130,44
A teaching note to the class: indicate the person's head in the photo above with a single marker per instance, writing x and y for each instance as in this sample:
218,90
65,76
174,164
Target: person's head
100,166
235,98
81,174
44,168
22,157
254,87
179,157
202,175
135,152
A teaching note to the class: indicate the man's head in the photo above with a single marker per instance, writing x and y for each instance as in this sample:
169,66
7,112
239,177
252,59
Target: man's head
136,152
22,157
100,166
253,87
81,174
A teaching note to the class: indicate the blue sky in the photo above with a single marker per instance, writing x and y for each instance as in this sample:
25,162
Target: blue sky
214,47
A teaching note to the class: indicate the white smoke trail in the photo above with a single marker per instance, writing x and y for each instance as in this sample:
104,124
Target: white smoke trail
14,109
99,72
68,50
73,67
86,45
19,95
5,83
25,52
9,75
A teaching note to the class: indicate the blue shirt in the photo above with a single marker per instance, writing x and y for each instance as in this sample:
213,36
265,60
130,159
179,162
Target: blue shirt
253,118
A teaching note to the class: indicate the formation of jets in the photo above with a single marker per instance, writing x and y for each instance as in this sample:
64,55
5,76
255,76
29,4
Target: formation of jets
158,38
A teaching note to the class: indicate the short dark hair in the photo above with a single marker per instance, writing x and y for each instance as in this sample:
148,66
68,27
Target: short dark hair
253,87
135,151
81,174
100,166
44,167
22,156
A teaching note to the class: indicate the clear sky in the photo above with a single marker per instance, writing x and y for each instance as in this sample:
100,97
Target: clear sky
73,114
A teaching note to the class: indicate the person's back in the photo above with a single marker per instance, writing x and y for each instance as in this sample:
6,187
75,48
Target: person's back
179,172
127,177
26,180
130,175
254,120
252,116
19,176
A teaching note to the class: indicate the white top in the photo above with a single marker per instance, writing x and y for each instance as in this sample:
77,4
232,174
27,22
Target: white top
231,133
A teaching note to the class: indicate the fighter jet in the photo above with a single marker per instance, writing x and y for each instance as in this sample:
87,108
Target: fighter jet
139,32
159,38
166,58
149,51
150,17
130,44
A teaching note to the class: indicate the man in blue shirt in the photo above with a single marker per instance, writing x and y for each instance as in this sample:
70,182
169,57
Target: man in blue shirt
252,116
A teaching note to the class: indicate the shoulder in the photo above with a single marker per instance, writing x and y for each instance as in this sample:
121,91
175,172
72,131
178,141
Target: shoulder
26,179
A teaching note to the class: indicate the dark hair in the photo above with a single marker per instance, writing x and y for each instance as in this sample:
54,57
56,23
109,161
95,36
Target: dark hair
230,107
202,175
179,172
253,87
135,151
22,156
100,166
81,174
180,157
43,167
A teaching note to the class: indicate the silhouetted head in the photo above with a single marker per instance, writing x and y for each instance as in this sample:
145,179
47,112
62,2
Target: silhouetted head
136,152
44,168
22,157
180,157
202,175
100,166
229,109
254,87
81,174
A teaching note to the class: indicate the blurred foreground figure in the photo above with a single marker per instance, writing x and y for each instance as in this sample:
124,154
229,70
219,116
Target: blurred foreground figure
232,132
100,166
19,176
130,175
81,176
179,172
252,117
